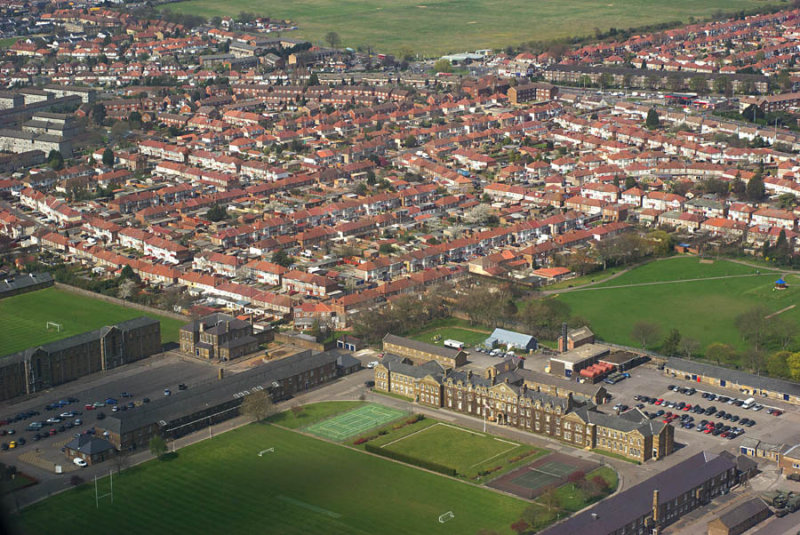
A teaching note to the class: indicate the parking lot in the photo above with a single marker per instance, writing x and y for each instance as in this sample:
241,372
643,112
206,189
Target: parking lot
653,384
76,407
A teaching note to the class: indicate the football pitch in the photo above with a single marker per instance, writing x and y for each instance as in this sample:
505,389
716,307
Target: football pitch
454,447
26,316
302,486
354,422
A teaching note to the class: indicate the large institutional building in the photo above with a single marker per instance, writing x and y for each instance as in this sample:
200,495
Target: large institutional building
508,394
41,367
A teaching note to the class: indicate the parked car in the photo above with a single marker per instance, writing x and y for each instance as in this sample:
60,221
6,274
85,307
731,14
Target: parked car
167,392
182,386
80,462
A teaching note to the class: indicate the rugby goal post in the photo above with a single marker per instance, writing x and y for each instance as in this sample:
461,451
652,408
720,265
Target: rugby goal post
53,324
446,516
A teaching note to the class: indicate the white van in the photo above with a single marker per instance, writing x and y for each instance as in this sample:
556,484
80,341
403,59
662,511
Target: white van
749,402
454,344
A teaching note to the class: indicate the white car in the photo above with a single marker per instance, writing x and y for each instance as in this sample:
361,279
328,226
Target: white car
372,364
80,462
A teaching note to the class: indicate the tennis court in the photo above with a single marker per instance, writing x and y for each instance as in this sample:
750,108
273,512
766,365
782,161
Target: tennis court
354,422
549,472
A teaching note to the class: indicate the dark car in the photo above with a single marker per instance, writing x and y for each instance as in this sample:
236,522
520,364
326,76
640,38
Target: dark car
73,400
182,386
145,400
21,442
127,395
37,436
751,423
4,446
101,415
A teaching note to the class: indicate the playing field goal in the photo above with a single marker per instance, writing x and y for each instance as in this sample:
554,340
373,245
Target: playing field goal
53,326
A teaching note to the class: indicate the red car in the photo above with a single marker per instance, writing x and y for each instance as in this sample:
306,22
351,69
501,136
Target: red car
687,408
776,412
659,401
708,430
89,407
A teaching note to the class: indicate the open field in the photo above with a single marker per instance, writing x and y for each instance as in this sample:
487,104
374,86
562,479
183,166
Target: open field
705,309
452,329
25,317
441,26
304,486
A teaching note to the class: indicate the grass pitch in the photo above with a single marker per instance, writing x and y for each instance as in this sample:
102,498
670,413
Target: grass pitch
306,486
25,318
704,310
440,26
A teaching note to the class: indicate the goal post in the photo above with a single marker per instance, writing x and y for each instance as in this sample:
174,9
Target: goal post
446,516
53,325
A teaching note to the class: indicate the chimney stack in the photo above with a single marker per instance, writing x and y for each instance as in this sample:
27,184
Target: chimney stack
563,337
656,518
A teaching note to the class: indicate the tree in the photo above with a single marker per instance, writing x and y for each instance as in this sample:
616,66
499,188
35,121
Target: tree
550,499
738,187
755,188
778,364
753,325
645,332
443,65
216,213
282,258
98,114
55,160
257,405
671,345
135,119
520,526
158,447
721,353
108,157
793,362
333,39
782,331
410,141
313,80
652,120
126,289
688,347
698,84
754,359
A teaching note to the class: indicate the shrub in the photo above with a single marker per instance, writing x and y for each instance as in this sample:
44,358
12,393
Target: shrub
576,477
76,480
360,440
520,526
383,432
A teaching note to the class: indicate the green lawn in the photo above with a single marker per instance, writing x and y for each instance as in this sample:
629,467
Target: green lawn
313,413
586,279
467,451
306,486
25,318
705,310
441,26
452,329
8,42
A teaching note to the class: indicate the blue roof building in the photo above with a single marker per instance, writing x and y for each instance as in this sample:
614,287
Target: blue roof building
512,340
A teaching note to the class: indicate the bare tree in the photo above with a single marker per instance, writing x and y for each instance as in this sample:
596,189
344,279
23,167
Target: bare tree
646,333
122,460
257,405
688,347
754,326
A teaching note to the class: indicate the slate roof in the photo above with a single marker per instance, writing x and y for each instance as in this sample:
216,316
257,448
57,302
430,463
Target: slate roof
397,364
735,515
214,393
445,352
12,283
734,376
623,508
90,445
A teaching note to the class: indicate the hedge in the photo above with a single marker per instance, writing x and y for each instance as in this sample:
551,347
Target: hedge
422,463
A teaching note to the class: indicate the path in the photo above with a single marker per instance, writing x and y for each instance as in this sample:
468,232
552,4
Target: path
781,311
656,283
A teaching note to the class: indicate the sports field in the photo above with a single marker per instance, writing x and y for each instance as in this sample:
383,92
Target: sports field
441,26
454,447
354,422
304,486
703,309
25,318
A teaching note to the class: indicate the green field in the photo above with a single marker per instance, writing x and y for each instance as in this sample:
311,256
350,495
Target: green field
441,26
25,317
455,447
306,486
705,310
311,414
354,422
452,329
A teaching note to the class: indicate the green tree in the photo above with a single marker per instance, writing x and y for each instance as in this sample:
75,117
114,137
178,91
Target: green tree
443,65
410,141
387,248
721,353
313,80
216,213
778,364
630,182
793,362
698,84
158,447
282,258
108,157
652,121
754,326
671,345
755,188
55,160
98,114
